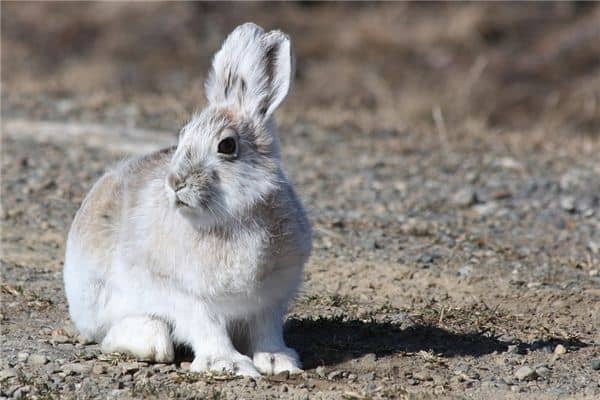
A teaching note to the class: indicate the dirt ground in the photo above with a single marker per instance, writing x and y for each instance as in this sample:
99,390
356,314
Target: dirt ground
448,155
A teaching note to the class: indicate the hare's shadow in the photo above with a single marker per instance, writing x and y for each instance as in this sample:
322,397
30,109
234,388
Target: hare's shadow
330,341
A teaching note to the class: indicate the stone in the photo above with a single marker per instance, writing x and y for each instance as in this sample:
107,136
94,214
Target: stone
8,373
370,376
560,349
422,376
21,392
38,359
129,367
77,369
22,356
568,203
99,369
525,373
516,349
185,365
334,374
281,377
543,372
60,339
464,198
320,371
596,364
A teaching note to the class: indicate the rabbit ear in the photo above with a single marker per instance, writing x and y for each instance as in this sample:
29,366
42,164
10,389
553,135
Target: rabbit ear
252,71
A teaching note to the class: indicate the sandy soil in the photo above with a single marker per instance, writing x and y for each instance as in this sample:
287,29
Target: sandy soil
448,155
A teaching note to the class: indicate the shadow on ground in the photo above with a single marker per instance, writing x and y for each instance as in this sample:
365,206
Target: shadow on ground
330,341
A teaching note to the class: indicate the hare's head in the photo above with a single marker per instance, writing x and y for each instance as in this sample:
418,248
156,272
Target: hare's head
227,158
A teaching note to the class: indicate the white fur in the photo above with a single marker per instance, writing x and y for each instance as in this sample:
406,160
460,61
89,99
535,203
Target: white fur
243,57
141,274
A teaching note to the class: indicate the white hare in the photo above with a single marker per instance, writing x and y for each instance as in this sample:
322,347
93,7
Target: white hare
204,243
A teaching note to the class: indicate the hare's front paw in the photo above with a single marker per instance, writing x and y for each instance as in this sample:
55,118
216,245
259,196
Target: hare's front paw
272,363
144,337
236,364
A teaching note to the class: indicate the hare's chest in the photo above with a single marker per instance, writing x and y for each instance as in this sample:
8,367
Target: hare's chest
214,266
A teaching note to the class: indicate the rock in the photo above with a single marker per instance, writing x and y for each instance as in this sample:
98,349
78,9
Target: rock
21,392
525,373
485,210
8,373
60,339
129,367
464,198
334,374
352,396
370,376
22,356
320,371
422,376
568,203
516,349
596,364
509,163
465,270
186,365
281,377
403,320
38,359
560,349
76,369
543,371
99,369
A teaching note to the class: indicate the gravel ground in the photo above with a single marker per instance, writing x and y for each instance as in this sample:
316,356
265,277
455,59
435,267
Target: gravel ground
457,240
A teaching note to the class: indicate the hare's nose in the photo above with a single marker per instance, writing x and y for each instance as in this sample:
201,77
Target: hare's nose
175,182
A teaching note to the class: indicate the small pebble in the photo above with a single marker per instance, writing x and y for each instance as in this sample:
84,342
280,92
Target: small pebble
370,376
99,369
544,372
596,364
568,203
21,392
60,339
464,198
77,368
515,349
334,374
320,371
525,374
22,356
281,377
38,359
560,349
186,365
8,373
129,367
422,376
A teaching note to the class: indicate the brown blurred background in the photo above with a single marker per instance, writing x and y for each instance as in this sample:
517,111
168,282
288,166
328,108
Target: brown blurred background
488,67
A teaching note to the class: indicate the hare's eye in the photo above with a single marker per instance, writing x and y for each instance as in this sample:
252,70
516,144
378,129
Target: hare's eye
227,146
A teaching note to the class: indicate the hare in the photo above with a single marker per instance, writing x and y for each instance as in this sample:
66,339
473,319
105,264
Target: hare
202,244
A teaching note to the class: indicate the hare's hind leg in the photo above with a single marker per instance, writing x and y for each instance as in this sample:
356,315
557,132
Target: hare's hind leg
144,337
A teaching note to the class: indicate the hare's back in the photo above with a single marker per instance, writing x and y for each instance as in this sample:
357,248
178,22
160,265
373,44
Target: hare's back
98,222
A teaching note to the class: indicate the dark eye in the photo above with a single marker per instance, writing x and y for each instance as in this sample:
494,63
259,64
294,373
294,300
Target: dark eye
227,146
